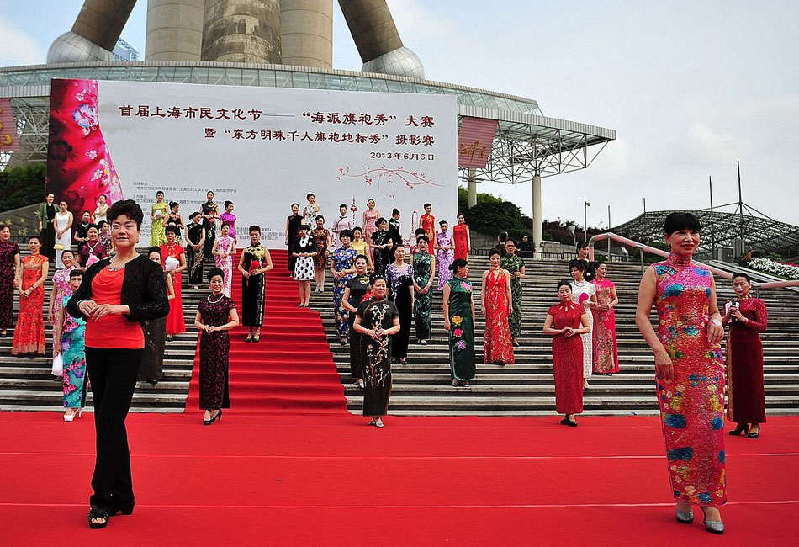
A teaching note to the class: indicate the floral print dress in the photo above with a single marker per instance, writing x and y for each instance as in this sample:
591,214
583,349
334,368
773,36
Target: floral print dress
423,303
73,354
513,263
461,332
691,404
343,259
444,258
227,246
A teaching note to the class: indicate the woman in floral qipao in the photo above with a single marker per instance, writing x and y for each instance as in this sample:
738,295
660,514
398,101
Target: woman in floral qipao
459,321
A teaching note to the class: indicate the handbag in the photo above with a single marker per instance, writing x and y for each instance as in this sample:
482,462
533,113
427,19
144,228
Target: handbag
58,365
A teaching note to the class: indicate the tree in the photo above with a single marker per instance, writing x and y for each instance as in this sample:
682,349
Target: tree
22,185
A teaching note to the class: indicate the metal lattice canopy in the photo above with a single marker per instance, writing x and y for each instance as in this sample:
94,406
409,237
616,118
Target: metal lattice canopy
527,142
530,144
721,229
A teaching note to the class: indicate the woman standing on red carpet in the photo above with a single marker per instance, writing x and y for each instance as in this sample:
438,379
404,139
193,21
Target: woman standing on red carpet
565,322
114,297
173,257
377,320
746,397
689,369
216,315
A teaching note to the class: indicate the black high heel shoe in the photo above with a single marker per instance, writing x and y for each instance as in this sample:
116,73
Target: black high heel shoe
95,513
742,429
215,417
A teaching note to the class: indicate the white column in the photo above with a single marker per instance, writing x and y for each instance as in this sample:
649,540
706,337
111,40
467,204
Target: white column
472,187
538,216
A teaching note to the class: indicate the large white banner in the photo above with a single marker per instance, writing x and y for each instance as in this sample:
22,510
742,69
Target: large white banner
264,148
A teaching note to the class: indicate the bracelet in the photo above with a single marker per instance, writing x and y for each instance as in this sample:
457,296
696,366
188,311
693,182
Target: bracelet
716,322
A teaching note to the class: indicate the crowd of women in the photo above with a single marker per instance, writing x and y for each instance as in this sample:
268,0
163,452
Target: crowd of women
112,309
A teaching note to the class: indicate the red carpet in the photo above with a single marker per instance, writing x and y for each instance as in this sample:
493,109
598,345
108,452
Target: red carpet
291,370
325,480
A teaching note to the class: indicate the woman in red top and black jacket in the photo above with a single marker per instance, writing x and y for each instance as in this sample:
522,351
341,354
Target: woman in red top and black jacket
115,296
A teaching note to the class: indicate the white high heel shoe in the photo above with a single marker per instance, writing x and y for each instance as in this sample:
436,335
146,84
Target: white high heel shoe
69,417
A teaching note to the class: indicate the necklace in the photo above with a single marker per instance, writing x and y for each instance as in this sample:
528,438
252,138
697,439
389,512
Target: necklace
118,266
221,296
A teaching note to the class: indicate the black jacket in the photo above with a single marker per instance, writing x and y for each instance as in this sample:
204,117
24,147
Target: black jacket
143,289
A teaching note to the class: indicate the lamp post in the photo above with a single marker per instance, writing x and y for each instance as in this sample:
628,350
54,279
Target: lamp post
585,220
609,225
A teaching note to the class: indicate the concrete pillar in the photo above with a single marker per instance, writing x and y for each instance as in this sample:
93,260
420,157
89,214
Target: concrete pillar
538,216
306,33
472,187
243,31
174,30
101,21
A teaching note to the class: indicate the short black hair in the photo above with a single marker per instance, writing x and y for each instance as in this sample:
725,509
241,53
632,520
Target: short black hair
442,222
195,213
344,233
361,257
254,229
428,205
129,208
419,231
215,271
677,221
75,272
101,224
564,283
342,205
380,221
173,204
458,263
319,216
577,264
307,196
159,192
742,274
422,237
374,278
228,202
356,229
152,250
582,245
34,236
171,229
493,252
395,212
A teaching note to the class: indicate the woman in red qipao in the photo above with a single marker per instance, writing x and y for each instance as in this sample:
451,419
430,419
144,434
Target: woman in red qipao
565,322
497,304
689,369
460,233
173,258
427,222
746,396
605,350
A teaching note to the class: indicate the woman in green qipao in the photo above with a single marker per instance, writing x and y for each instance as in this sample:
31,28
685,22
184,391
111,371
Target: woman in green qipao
459,321
424,264
515,265
158,214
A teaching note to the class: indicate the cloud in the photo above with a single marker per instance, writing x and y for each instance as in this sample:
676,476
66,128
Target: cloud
19,48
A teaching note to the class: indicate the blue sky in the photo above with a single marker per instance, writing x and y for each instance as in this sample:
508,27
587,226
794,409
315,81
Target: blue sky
691,87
